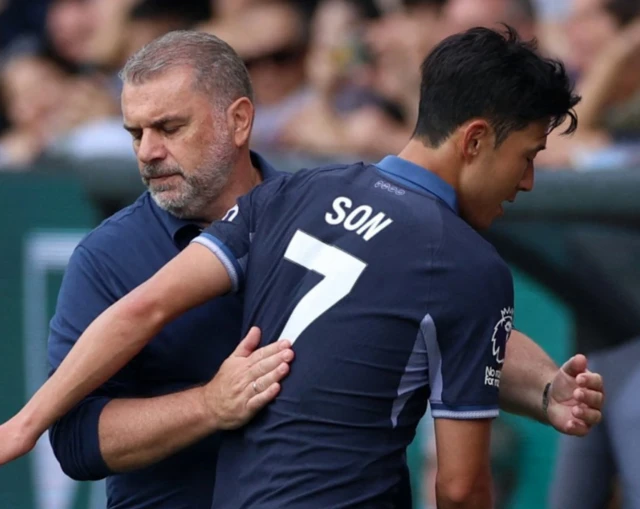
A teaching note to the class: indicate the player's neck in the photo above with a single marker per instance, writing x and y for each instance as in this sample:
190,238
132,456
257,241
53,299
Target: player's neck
440,161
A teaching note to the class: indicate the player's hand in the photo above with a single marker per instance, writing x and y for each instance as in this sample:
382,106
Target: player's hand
15,440
247,381
575,398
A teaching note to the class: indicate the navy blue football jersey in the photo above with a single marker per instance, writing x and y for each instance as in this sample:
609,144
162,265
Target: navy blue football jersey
392,302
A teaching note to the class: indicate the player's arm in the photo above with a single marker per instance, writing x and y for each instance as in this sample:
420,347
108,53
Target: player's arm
113,339
574,399
465,339
463,479
527,370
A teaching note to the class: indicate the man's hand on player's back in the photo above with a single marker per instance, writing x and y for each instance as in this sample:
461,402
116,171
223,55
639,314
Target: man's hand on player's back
247,381
463,480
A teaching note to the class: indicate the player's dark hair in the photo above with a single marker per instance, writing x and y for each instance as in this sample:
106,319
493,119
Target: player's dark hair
483,73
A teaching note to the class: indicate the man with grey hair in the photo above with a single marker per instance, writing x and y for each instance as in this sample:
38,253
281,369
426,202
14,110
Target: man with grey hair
187,102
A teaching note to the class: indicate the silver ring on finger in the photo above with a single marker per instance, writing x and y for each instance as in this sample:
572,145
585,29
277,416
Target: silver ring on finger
255,387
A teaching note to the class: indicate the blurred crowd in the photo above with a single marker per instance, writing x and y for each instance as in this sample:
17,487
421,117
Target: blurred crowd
334,79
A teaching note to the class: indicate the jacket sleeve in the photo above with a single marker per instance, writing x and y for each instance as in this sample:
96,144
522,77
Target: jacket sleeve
87,289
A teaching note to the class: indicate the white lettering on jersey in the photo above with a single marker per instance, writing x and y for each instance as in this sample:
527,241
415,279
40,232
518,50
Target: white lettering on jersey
492,377
359,219
231,213
338,203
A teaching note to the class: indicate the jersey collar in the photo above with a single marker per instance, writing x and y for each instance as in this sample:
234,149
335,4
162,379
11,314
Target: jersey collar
420,178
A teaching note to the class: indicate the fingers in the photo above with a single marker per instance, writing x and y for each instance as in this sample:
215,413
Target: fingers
249,343
590,416
590,399
267,373
272,359
268,351
589,380
575,366
262,399
272,377
577,428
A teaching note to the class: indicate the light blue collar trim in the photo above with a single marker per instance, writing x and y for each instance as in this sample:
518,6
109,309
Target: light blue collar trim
418,177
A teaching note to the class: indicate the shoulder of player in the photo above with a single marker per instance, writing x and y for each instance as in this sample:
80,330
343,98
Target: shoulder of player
327,171
458,240
285,182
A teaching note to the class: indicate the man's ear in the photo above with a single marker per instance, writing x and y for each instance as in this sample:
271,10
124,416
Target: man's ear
476,136
240,120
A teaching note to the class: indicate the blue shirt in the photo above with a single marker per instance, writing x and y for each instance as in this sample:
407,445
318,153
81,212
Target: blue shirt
123,252
392,301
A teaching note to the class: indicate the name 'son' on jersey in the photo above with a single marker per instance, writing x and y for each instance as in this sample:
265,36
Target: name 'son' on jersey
360,219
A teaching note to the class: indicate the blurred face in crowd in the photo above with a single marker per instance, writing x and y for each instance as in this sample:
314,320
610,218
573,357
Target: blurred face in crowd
107,46
462,15
399,41
332,54
95,32
71,25
589,29
493,175
186,145
32,88
275,52
223,8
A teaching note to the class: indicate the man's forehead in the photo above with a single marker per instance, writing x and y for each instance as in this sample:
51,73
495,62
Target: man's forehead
171,82
157,97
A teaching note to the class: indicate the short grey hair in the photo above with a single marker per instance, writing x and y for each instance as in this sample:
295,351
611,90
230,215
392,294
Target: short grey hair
218,70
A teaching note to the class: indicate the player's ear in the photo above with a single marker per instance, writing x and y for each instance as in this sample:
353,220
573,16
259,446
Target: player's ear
240,120
477,136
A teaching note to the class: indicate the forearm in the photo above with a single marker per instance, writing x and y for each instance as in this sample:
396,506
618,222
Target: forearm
527,370
109,343
135,433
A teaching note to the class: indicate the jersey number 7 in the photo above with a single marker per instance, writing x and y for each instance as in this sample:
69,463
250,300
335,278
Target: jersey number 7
340,270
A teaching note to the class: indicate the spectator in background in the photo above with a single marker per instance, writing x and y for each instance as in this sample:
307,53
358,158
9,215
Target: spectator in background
343,112
228,9
275,57
378,54
604,38
89,40
33,87
381,55
127,25
464,14
399,40
102,34
70,25
96,37
46,104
